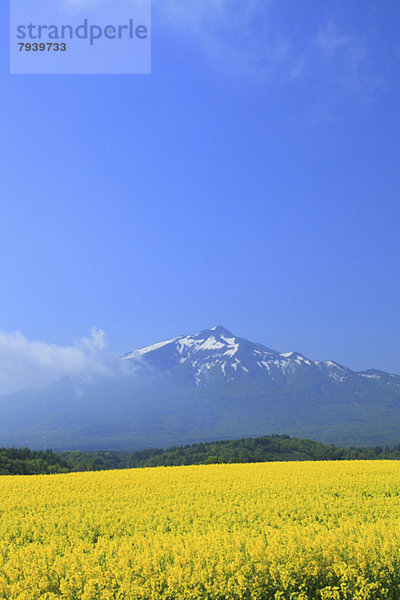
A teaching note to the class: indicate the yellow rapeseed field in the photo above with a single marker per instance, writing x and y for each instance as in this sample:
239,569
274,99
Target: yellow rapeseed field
295,531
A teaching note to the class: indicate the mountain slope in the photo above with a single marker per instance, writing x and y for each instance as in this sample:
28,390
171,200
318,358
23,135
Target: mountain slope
203,387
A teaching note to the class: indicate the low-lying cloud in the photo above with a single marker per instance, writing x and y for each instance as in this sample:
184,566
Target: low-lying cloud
25,363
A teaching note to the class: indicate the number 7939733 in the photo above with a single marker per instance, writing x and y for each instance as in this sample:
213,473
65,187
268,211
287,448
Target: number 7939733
42,47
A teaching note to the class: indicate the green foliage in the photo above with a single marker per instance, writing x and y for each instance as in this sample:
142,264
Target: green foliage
22,461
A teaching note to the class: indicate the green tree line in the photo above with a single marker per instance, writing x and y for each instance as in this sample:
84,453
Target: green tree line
23,461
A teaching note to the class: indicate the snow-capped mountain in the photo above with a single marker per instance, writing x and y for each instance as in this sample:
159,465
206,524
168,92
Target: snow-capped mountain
217,350
207,386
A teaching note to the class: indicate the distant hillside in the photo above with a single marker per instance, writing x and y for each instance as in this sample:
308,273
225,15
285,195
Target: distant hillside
23,461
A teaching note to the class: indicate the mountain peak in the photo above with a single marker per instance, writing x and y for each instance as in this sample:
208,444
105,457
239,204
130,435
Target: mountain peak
219,330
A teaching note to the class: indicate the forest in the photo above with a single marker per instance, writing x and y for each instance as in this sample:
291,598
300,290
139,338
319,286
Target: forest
23,461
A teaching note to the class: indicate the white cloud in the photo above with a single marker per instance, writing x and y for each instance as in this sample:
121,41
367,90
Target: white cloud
234,35
330,40
252,38
96,341
348,70
25,363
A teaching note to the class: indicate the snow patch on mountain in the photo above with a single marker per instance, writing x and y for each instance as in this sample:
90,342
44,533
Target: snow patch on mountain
147,349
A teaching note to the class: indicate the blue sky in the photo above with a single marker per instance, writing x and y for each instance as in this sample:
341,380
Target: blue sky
251,181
